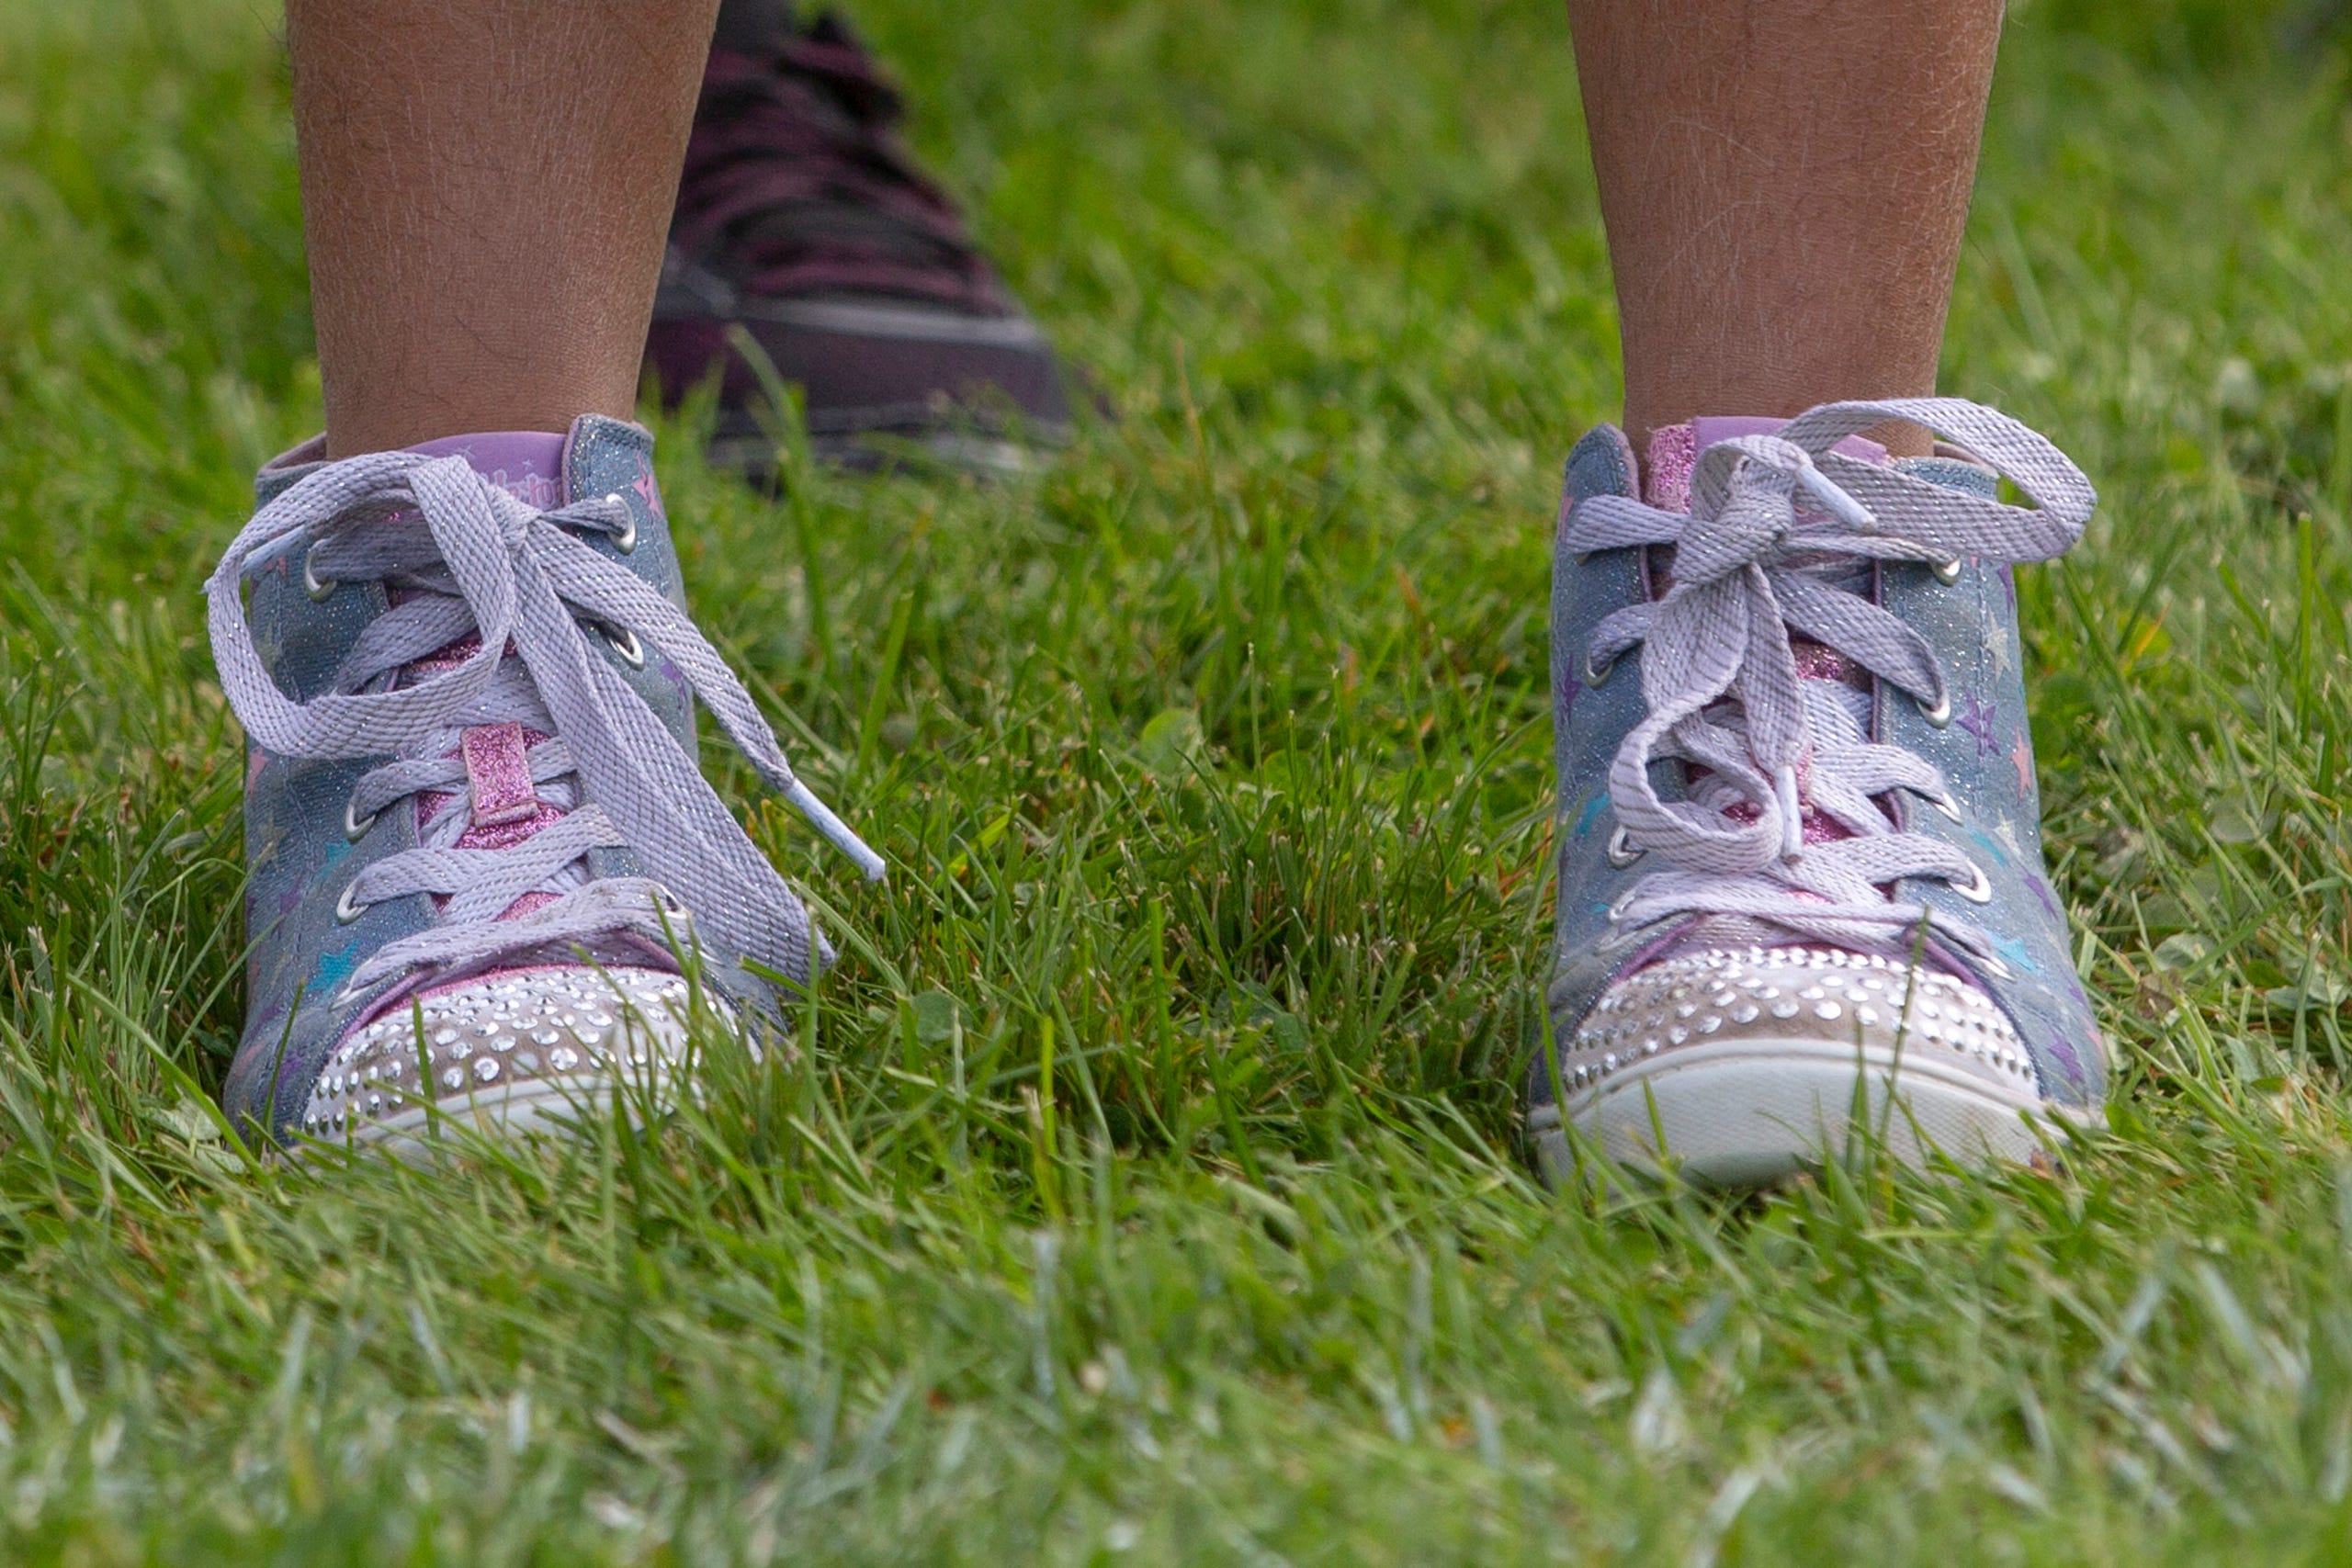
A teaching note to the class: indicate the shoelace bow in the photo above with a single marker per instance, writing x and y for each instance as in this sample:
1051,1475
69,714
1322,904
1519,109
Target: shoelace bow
815,127
470,559
1772,519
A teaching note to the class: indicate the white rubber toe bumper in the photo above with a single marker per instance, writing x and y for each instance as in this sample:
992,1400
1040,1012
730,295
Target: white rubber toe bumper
505,1054
1738,1067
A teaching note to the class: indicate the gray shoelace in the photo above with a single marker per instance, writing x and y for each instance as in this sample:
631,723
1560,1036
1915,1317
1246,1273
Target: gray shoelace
1774,520
468,558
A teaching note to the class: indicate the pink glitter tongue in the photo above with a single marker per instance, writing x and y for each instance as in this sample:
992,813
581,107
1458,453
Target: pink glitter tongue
528,466
1666,484
1673,452
498,771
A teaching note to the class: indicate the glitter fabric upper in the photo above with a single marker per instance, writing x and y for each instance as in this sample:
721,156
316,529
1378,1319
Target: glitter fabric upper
1995,925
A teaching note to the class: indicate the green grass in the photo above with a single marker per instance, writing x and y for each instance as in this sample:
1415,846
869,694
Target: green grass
1150,1186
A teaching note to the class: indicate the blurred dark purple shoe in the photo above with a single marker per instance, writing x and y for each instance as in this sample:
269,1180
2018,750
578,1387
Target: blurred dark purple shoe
803,219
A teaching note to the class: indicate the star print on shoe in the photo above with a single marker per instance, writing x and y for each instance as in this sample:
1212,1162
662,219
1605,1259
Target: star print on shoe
480,836
1798,856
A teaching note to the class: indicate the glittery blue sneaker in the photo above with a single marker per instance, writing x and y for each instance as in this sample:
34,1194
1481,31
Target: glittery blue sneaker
1800,837
477,834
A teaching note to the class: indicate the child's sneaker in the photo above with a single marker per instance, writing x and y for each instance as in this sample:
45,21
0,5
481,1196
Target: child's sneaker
1793,754
803,220
476,829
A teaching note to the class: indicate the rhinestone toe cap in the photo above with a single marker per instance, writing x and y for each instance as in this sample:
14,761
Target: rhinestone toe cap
496,1038
1757,994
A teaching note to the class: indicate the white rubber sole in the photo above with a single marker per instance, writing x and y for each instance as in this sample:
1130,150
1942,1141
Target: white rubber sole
1748,1114
545,1108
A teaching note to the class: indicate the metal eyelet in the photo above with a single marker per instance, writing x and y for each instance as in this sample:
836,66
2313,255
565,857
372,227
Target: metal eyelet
1940,714
1623,850
1979,889
346,909
1594,674
318,588
1947,804
1947,571
632,651
626,540
1615,913
354,825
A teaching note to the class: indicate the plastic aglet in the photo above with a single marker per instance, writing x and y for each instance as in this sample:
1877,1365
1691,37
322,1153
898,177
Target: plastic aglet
821,816
1838,505
1784,787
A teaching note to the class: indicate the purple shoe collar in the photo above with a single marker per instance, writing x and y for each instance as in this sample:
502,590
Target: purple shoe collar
525,464
1674,451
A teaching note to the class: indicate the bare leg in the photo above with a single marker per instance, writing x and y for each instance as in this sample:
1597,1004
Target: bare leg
486,185
1784,184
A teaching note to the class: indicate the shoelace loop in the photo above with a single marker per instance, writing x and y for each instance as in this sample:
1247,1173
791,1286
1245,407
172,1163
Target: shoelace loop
1771,520
473,560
